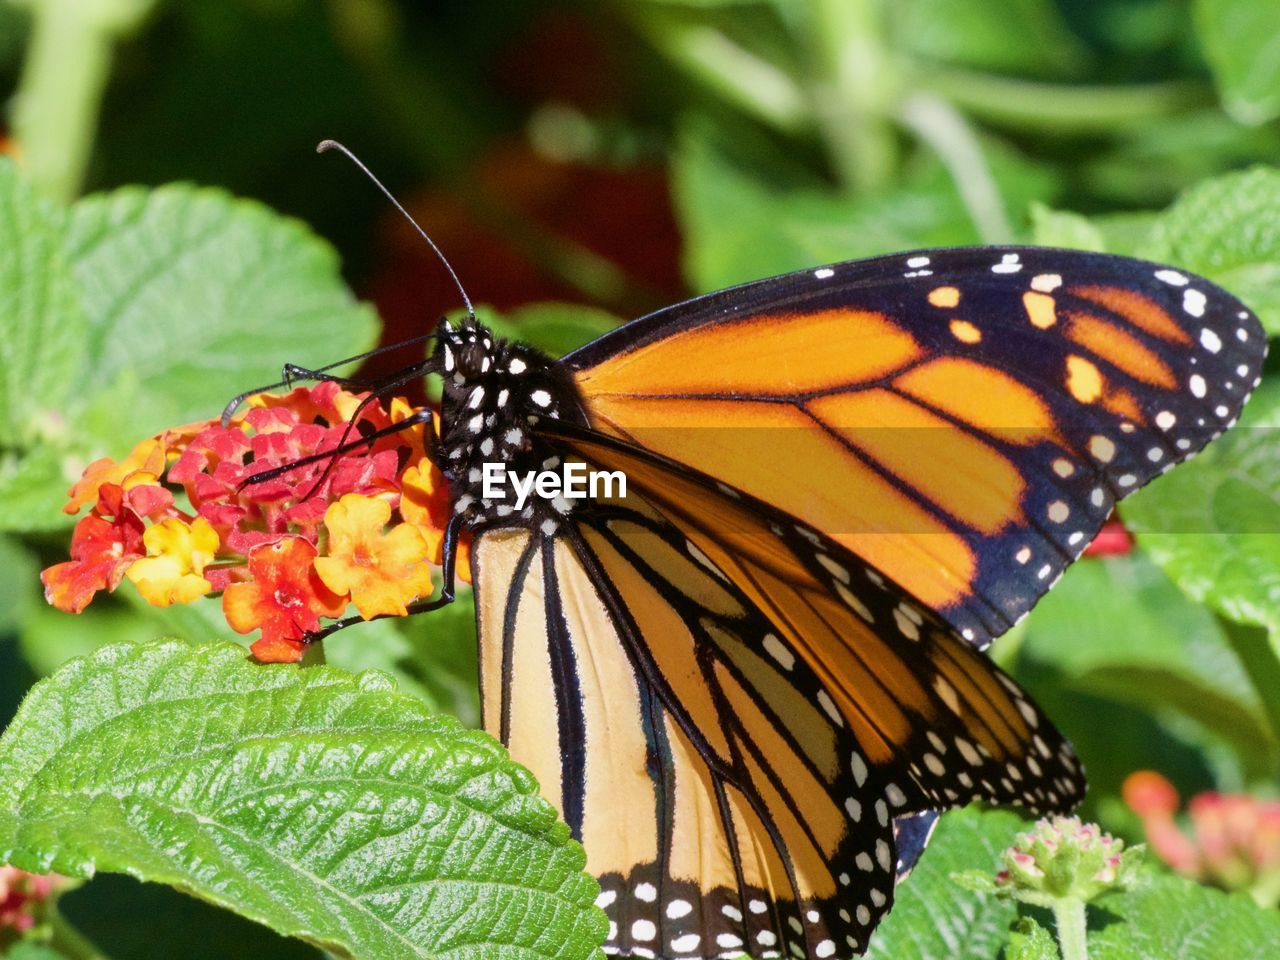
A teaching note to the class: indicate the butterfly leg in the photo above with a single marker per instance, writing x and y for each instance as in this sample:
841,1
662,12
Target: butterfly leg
292,372
336,453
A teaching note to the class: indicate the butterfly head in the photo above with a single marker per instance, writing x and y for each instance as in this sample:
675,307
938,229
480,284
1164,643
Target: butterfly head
495,392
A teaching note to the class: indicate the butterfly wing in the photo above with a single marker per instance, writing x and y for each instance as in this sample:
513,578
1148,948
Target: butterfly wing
731,788
963,420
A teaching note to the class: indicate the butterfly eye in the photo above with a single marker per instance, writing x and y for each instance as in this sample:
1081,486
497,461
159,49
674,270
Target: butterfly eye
471,361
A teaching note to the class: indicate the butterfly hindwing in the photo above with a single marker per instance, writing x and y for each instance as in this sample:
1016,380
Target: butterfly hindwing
729,792
911,691
962,419
699,844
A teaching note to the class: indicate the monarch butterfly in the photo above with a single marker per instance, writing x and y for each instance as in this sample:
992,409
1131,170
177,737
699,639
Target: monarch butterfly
749,682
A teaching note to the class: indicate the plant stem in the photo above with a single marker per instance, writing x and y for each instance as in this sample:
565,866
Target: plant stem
69,941
855,84
313,655
1063,108
55,112
943,128
1257,654
1068,914
739,76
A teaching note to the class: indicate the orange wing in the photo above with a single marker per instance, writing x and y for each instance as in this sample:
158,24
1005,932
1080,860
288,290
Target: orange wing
962,420
733,715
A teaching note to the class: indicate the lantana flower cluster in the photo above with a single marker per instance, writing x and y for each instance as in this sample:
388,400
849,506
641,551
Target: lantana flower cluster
177,518
23,898
1233,840
1065,857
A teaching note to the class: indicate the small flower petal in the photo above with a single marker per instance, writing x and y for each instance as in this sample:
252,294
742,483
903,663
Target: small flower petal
382,572
285,599
180,552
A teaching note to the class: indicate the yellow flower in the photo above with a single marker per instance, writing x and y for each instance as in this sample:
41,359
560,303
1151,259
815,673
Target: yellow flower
173,570
382,570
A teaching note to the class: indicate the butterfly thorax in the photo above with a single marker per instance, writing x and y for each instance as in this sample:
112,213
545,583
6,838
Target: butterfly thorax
495,393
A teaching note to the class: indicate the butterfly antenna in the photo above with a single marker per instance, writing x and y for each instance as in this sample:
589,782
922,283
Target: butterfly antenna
326,145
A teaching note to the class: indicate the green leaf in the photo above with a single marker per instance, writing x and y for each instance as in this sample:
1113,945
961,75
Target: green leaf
1120,629
198,296
1212,523
33,488
555,328
1061,228
322,804
1022,36
1241,40
1124,233
744,218
1228,230
29,950
935,918
1175,919
19,586
42,327
1030,941
1153,160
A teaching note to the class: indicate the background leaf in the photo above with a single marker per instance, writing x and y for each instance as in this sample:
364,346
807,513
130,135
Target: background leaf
1015,35
556,328
1228,230
1241,40
1119,629
33,488
41,324
1062,228
1212,523
325,805
933,917
1174,919
194,295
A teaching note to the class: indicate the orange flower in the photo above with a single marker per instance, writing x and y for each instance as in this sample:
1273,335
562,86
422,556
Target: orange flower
285,598
147,456
383,571
101,552
175,574
424,502
261,541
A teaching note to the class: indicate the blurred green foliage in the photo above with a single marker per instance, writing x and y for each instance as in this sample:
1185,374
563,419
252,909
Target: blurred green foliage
615,156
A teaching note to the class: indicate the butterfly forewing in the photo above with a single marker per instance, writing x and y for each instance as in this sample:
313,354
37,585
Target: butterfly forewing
749,683
961,419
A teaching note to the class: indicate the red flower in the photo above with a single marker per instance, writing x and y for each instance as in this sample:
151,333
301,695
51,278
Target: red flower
102,550
22,899
1112,540
1234,841
285,599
